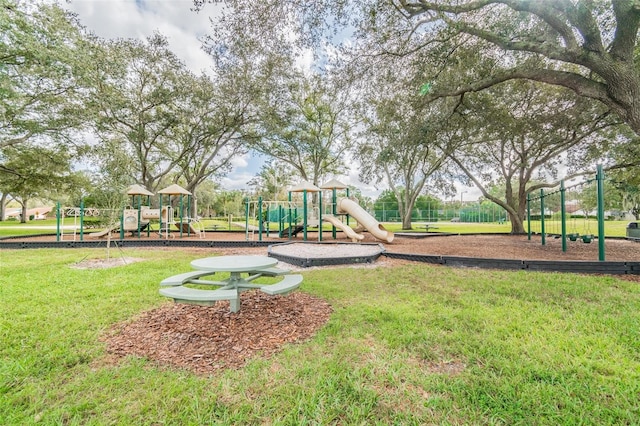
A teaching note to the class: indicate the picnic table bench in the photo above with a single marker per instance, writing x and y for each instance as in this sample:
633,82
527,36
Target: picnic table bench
426,226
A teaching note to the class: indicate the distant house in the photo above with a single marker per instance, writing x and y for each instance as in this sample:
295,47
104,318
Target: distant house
37,213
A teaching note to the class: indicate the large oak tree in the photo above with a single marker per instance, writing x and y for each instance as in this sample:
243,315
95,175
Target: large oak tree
588,47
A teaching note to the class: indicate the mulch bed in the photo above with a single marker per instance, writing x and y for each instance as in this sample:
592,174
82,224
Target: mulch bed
204,339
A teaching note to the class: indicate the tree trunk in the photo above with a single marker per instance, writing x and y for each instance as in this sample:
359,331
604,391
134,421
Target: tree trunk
3,201
23,216
517,224
406,220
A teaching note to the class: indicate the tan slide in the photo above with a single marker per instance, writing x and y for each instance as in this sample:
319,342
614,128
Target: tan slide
350,207
349,232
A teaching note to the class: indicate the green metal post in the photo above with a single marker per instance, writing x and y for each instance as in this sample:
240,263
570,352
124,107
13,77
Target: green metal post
181,212
334,209
122,224
149,227
160,206
304,212
139,213
188,214
246,219
319,216
542,231
260,223
563,216
58,219
169,212
600,187
347,214
268,219
529,216
82,220
290,215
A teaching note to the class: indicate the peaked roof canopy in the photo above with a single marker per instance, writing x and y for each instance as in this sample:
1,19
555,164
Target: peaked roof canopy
304,186
174,189
334,184
138,190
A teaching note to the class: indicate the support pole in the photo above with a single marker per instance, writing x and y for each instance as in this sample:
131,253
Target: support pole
528,216
334,210
58,219
319,215
260,222
290,214
542,231
600,186
160,229
181,212
246,219
188,215
304,211
121,223
563,216
149,226
81,219
347,191
139,214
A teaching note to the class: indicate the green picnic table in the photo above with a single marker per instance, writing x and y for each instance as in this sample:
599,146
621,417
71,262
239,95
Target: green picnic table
242,271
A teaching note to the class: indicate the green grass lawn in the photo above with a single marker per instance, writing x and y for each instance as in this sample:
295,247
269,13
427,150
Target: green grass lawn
611,228
415,344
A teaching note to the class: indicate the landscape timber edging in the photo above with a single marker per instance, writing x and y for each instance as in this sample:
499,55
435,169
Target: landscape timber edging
575,266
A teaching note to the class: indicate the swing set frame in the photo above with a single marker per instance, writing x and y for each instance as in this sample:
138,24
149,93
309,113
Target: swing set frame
599,178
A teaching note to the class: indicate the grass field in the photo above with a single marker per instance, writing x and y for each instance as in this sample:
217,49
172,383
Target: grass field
415,344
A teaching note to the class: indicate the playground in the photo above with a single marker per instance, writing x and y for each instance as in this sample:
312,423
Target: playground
503,246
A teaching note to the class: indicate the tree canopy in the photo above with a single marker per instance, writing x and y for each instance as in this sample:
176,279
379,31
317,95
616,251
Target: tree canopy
588,47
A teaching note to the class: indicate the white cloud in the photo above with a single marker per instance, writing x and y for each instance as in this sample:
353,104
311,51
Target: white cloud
240,162
236,180
139,19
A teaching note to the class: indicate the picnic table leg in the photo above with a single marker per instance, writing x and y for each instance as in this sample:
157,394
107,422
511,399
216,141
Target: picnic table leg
234,304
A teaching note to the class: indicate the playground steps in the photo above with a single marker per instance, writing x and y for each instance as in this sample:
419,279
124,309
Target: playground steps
295,229
286,286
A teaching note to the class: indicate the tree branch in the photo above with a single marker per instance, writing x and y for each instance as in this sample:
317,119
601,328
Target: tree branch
580,85
628,19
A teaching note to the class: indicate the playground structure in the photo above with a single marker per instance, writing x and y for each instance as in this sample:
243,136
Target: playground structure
135,218
586,236
311,211
293,216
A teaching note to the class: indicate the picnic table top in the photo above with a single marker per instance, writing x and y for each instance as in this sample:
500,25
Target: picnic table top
234,263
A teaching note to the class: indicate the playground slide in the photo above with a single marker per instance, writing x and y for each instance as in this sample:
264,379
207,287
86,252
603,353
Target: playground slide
105,232
350,207
349,232
189,228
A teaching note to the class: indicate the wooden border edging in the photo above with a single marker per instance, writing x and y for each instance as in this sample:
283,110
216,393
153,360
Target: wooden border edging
577,266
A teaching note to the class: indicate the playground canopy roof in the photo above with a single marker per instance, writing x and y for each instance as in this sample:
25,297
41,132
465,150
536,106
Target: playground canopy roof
174,189
334,184
138,190
304,186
